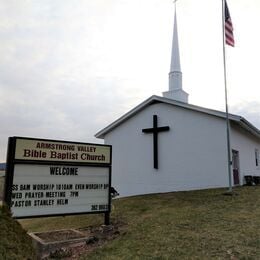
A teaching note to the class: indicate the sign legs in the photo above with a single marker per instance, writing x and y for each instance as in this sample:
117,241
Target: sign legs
107,219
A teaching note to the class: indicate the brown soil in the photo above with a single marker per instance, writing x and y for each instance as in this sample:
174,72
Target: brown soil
60,235
95,237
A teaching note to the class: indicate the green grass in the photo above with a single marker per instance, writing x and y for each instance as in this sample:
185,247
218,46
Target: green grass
2,179
182,225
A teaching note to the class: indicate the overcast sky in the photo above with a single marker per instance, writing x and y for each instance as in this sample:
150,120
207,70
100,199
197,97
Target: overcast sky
70,68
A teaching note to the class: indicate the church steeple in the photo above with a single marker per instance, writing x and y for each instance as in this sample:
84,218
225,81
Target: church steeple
175,75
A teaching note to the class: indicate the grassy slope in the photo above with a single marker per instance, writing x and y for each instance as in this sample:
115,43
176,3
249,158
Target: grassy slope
15,244
1,187
201,224
183,225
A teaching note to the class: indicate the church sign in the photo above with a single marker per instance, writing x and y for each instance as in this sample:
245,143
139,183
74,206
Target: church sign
44,150
50,177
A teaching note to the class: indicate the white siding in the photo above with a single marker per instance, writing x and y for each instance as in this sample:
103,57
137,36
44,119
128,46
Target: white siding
245,143
192,155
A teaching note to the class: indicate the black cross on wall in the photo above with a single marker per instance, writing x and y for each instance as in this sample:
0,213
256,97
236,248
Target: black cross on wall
155,130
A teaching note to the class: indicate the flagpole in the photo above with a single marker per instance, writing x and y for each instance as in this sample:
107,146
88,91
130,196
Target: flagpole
226,99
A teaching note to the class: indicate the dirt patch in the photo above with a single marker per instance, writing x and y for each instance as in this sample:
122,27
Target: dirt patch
59,235
94,237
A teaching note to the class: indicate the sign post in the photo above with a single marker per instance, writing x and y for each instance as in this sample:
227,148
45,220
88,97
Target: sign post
52,178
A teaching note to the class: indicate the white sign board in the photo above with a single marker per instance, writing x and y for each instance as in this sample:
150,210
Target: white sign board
50,177
48,150
56,189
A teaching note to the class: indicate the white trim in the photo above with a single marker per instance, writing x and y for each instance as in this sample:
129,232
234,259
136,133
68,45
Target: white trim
242,122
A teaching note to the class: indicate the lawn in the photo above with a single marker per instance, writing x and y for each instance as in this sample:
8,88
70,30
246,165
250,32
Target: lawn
2,179
15,244
181,225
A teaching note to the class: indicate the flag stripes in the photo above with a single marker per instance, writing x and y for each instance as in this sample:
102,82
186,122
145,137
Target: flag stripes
228,28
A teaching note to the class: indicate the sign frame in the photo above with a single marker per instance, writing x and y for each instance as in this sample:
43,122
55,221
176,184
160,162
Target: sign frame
12,161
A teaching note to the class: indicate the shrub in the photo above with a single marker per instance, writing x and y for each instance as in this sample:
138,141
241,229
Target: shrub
14,241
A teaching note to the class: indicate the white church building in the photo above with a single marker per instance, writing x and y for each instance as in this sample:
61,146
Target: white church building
166,144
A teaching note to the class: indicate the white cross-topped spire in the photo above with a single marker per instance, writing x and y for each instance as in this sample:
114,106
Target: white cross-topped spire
175,60
175,75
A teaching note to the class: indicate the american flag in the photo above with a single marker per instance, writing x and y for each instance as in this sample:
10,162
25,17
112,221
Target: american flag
228,28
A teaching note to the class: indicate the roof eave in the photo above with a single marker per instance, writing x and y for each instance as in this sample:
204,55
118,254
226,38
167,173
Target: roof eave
101,134
249,127
156,99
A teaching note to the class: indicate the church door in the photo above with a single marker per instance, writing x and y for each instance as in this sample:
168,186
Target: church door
235,164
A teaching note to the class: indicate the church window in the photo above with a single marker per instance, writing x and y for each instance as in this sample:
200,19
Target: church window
257,157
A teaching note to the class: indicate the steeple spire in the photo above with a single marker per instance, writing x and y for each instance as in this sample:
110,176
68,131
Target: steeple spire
175,75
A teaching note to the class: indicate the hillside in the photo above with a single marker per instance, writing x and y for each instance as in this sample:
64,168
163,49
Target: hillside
1,188
15,244
182,225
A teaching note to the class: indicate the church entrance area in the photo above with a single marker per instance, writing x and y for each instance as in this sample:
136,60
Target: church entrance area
235,166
